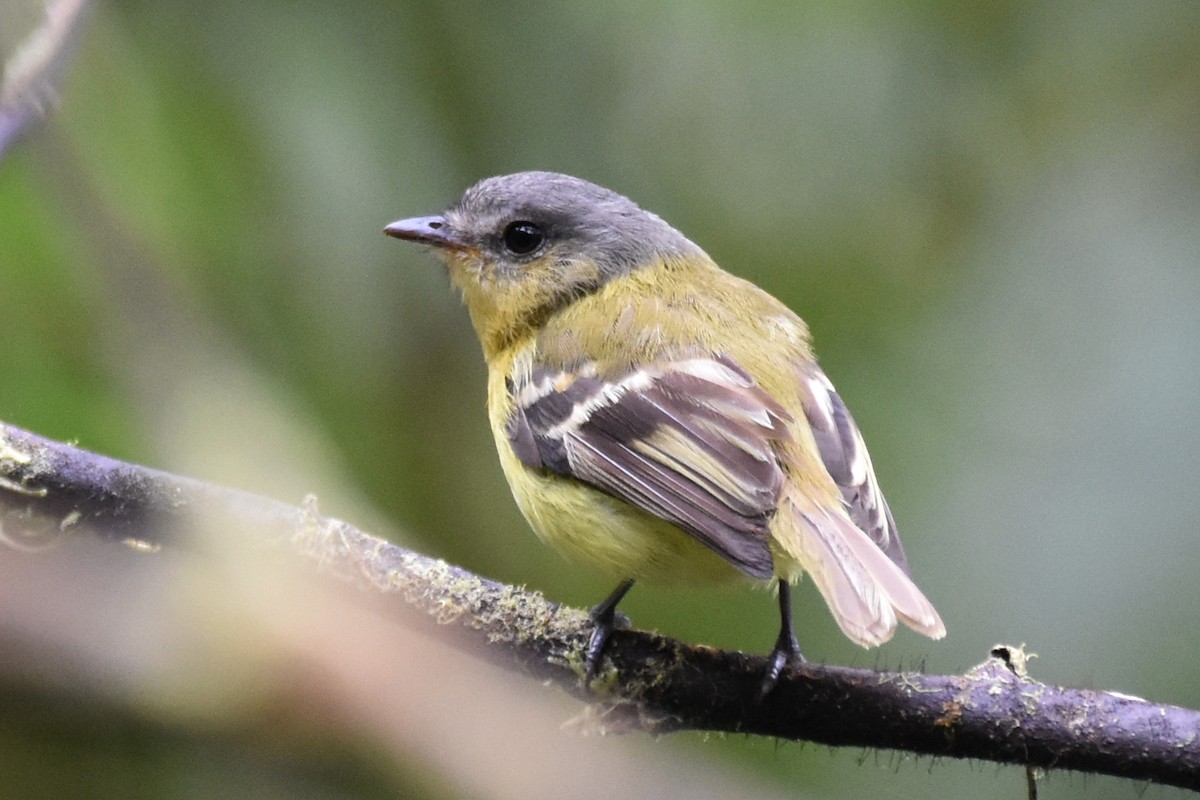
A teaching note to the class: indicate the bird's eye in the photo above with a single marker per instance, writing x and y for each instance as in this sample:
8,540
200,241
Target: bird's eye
522,238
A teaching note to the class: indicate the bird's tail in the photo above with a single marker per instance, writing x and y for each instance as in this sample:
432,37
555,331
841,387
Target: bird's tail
866,591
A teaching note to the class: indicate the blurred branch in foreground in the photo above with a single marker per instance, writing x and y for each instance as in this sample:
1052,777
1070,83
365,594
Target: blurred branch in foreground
51,492
31,75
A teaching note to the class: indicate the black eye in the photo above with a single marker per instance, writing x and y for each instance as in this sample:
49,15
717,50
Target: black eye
522,238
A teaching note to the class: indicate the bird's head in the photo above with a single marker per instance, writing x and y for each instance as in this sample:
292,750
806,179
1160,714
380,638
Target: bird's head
522,246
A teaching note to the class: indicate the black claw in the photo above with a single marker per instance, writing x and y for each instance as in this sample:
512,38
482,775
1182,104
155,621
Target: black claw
605,617
786,652
595,646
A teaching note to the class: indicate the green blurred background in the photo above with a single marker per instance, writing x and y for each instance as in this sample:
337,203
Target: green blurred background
989,214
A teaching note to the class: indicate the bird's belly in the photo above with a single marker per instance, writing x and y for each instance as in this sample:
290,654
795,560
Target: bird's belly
587,525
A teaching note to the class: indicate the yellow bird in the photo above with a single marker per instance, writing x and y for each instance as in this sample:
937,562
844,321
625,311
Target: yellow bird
662,418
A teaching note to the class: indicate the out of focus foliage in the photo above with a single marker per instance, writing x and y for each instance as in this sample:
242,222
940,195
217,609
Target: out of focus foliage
987,212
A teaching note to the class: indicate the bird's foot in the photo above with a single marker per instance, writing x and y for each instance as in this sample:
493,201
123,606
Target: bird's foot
785,654
605,619
787,650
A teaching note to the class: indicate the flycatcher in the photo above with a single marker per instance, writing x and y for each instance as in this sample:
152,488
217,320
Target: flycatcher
661,418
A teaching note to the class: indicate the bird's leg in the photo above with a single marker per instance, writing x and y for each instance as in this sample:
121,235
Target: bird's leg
604,615
787,649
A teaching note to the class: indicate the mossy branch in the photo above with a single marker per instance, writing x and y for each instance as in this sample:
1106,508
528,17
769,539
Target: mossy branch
993,712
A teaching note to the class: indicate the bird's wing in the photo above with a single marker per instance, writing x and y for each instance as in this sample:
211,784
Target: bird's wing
845,457
690,441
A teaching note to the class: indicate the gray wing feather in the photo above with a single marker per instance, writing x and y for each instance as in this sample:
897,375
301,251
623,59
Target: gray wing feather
845,457
691,442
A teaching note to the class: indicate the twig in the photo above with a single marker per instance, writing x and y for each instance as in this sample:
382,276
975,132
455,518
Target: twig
995,712
31,75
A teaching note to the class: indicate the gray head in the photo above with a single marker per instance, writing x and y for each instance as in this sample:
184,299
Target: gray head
513,220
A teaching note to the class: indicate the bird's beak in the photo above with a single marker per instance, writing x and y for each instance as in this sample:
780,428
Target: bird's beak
426,230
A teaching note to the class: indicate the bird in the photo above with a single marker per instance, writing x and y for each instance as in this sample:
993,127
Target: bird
661,418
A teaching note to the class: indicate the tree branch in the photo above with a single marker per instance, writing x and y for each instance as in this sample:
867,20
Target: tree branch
50,490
